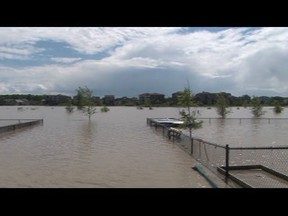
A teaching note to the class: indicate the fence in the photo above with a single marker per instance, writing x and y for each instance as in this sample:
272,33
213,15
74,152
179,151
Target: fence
237,166
13,124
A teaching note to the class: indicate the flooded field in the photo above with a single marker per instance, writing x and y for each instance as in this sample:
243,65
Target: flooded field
117,148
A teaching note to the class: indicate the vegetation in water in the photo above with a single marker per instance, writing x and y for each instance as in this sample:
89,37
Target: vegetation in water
188,116
222,106
85,102
257,108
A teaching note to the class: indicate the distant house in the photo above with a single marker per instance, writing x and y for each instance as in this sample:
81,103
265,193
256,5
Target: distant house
154,98
206,98
175,95
16,102
96,100
56,99
109,100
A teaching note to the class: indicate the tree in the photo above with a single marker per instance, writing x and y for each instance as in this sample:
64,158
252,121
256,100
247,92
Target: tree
256,107
189,117
222,105
69,107
85,101
277,107
80,98
104,109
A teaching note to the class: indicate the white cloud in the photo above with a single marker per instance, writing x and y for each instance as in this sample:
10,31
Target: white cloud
65,60
19,51
4,55
85,40
239,58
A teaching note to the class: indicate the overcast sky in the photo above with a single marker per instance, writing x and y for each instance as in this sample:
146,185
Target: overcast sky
130,61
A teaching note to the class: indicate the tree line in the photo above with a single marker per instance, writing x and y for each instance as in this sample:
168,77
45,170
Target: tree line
199,99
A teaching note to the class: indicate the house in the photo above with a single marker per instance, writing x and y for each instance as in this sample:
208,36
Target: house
16,102
109,100
175,95
154,98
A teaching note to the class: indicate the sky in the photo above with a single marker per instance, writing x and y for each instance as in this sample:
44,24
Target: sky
128,61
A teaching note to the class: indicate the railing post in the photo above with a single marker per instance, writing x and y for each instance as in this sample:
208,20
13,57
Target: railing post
227,163
192,140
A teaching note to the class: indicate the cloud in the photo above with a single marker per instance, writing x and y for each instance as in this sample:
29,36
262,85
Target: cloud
19,52
65,60
138,60
83,40
265,70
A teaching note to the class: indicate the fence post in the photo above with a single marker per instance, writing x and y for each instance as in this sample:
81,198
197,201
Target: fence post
192,140
227,163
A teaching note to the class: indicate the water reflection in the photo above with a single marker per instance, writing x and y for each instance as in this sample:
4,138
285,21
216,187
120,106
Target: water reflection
87,133
255,123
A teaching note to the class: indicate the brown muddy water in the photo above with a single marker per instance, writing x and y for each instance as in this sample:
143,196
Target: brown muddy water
117,149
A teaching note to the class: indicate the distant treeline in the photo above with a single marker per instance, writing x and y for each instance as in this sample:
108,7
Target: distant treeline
200,99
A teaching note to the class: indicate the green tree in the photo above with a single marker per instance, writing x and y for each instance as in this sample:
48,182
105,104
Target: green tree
80,98
188,116
148,104
257,108
277,107
222,105
104,109
69,107
85,101
245,103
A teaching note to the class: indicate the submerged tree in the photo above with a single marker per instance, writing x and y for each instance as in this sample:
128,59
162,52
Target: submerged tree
222,105
188,116
69,107
85,101
104,109
257,107
277,107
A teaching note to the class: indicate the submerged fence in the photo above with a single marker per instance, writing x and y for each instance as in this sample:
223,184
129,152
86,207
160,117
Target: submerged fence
237,166
13,124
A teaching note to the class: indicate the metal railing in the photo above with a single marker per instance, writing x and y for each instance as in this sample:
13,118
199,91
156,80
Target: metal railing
259,166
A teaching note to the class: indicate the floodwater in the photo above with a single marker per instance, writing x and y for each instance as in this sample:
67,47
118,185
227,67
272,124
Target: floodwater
235,130
117,149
